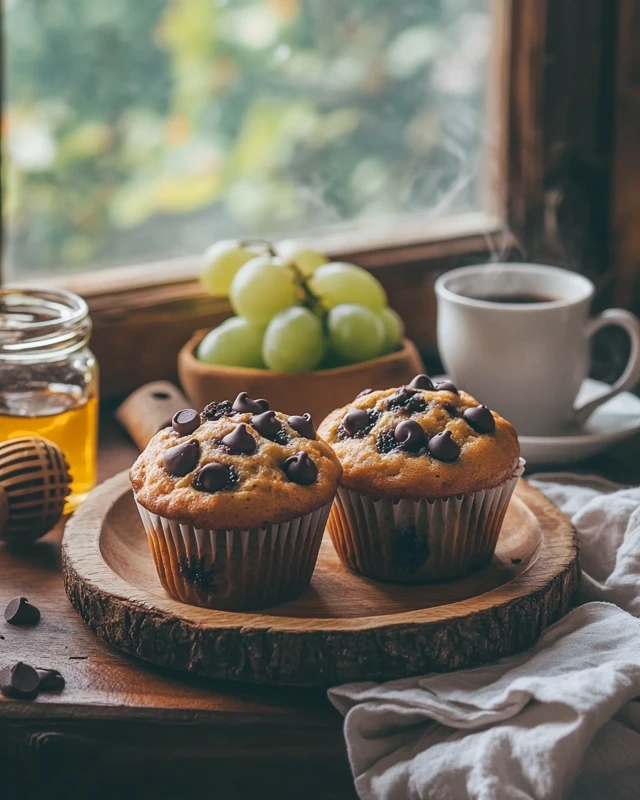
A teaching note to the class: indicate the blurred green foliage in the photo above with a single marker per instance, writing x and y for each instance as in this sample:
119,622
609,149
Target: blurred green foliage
144,130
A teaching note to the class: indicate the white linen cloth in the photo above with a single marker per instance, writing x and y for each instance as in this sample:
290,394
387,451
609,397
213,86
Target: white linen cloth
559,721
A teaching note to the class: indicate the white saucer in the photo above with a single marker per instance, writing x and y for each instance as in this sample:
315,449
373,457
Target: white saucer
612,422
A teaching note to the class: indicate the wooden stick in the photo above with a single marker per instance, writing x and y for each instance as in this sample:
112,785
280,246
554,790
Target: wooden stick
149,409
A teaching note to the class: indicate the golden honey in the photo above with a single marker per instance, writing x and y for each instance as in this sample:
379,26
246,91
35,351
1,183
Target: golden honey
49,378
72,427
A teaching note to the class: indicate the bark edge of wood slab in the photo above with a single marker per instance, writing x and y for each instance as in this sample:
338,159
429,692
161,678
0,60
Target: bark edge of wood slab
346,627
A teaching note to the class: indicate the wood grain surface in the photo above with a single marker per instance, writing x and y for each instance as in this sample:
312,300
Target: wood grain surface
345,627
122,728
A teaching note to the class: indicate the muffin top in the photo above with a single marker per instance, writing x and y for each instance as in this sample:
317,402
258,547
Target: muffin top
421,440
235,465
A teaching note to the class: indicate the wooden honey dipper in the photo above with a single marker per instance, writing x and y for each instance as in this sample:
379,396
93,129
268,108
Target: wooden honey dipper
34,482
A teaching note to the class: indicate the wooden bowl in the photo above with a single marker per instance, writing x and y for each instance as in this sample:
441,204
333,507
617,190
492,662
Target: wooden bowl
317,393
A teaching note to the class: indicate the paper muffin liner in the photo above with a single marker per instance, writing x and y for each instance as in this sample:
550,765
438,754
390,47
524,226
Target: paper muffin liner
233,569
416,541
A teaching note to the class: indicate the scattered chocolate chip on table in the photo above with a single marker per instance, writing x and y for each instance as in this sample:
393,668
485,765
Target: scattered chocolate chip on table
20,611
19,681
50,680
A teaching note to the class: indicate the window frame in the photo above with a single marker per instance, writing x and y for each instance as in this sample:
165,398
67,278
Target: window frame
537,94
625,242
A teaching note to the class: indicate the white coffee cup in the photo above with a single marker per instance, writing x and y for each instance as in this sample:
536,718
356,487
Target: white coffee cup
526,360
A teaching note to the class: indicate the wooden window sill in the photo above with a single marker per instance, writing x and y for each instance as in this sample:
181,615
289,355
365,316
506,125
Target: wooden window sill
160,317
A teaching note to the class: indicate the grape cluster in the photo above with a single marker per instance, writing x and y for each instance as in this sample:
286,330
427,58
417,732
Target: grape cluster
295,310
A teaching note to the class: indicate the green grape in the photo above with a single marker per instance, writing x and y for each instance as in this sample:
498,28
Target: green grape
338,282
261,288
393,329
220,264
305,259
293,341
235,343
355,333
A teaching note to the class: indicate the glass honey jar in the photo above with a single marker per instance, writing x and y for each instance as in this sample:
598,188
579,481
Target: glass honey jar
49,378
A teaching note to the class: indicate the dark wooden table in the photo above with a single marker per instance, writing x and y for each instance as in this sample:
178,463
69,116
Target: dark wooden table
122,728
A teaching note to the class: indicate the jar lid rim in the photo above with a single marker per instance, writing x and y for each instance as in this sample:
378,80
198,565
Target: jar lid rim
77,307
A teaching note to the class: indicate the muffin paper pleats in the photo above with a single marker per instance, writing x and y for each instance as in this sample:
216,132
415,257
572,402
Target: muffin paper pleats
234,569
418,541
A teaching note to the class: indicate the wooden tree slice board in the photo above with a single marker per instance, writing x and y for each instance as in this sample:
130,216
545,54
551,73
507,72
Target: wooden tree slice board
346,627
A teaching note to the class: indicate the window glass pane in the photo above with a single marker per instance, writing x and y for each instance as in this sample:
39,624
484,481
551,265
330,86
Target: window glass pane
144,130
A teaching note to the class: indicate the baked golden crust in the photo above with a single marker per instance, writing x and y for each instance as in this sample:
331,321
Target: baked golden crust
261,492
374,462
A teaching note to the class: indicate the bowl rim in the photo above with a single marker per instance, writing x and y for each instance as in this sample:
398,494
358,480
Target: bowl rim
187,356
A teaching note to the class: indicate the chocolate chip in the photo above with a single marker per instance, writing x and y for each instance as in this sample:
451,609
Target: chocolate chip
480,418
386,442
243,404
355,421
186,421
416,404
267,424
363,393
406,398
421,382
410,435
213,477
201,574
409,548
350,429
182,459
401,397
50,680
442,447
300,469
451,410
21,612
240,440
214,411
19,681
303,425
445,386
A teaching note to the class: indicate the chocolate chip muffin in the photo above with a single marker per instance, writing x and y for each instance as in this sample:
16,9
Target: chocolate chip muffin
234,501
428,473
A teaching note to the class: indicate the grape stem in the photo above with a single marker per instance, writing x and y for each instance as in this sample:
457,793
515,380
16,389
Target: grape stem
311,300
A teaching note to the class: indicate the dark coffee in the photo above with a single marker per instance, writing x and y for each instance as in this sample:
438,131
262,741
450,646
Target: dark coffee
516,299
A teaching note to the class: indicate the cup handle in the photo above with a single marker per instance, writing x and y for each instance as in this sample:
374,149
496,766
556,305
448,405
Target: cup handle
631,374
